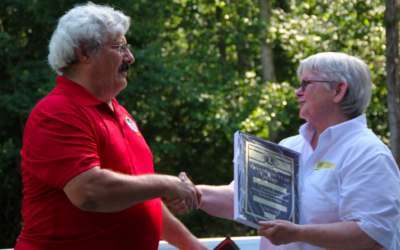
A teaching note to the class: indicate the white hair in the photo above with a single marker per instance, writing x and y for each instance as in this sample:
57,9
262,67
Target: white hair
339,67
90,24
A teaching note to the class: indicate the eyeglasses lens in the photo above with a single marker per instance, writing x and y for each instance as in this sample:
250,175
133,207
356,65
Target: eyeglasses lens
123,48
303,85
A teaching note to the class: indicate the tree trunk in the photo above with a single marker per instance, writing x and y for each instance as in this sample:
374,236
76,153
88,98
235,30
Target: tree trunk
267,62
221,41
241,45
392,75
267,58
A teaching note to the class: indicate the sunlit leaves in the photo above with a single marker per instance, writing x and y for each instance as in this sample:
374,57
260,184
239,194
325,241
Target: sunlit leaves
271,109
196,79
354,27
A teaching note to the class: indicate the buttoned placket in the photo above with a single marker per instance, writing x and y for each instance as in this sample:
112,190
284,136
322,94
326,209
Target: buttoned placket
119,116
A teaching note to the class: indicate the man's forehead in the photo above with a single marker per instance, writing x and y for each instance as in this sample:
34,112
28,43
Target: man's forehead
116,39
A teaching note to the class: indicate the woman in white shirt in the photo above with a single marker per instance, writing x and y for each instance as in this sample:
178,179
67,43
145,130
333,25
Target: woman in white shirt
354,201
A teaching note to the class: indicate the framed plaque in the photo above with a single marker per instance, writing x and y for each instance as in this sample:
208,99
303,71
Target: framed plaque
266,186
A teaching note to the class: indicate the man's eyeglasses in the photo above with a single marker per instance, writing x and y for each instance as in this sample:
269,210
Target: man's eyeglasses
123,48
305,82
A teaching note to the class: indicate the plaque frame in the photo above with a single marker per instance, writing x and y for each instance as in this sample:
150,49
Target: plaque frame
266,181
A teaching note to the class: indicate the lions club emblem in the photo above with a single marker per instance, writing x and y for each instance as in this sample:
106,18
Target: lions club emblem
131,124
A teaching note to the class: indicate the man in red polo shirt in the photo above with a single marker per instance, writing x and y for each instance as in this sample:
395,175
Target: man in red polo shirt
87,171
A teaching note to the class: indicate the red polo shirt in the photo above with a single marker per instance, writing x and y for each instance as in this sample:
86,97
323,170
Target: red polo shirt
67,133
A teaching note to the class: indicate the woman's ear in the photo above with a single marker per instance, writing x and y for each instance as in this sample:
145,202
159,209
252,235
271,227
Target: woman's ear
340,91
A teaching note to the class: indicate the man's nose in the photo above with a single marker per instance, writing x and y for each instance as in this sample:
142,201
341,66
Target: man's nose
128,57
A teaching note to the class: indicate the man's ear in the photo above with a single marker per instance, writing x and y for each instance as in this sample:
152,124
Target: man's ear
83,53
340,91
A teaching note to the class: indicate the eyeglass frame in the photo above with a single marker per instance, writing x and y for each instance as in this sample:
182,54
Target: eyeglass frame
124,47
305,83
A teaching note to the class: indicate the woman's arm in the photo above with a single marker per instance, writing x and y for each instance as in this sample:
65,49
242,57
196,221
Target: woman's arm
215,200
339,235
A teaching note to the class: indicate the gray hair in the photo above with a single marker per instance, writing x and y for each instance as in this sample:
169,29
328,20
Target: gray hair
90,24
340,67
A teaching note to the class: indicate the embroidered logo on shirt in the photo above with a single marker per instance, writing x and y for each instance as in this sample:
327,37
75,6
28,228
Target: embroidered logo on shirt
325,165
131,124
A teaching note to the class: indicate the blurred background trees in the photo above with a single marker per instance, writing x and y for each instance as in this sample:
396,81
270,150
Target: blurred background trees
204,69
392,75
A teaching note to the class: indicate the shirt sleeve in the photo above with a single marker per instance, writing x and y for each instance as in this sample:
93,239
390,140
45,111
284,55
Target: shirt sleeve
370,195
58,145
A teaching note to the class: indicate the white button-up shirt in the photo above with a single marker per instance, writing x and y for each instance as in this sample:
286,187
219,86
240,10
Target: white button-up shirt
351,175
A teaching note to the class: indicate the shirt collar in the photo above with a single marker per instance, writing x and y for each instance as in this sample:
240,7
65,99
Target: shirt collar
77,92
342,129
307,131
346,128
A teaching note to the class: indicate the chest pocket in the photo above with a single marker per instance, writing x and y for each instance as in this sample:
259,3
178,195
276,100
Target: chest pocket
321,191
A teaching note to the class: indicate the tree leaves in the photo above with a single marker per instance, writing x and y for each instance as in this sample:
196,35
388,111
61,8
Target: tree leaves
196,80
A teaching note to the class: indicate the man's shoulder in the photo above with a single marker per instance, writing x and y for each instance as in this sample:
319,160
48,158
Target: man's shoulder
55,101
55,106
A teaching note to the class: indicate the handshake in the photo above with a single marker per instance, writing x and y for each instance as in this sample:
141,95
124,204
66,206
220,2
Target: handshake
183,196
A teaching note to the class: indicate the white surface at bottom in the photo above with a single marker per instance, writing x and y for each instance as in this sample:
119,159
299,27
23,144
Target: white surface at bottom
244,243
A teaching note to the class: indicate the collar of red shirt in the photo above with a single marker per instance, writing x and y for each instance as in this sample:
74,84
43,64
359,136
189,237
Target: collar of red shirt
77,92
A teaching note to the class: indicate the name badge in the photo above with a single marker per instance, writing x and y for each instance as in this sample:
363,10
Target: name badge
325,165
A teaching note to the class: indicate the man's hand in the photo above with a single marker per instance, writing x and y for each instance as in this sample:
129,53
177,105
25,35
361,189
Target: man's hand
183,196
181,206
178,206
279,232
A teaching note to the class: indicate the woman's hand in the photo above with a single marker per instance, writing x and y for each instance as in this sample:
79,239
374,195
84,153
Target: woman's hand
279,232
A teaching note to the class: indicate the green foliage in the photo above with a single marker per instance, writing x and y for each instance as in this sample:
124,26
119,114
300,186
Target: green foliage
196,80
25,79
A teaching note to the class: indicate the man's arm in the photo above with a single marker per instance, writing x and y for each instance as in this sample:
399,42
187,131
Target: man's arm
102,190
339,235
176,234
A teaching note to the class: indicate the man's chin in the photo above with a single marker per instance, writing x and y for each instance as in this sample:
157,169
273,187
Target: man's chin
124,83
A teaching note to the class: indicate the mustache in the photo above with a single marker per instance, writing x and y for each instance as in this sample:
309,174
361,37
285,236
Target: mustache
125,67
